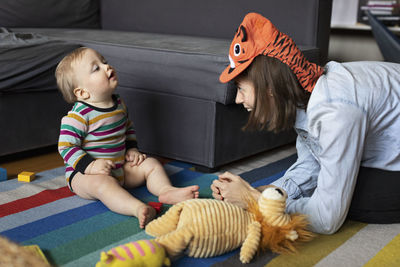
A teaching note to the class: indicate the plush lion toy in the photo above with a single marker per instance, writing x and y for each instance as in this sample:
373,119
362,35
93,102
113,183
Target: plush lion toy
208,227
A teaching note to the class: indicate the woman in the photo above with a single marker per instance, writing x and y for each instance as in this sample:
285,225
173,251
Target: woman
347,117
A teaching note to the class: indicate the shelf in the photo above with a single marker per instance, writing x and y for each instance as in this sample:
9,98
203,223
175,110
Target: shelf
361,27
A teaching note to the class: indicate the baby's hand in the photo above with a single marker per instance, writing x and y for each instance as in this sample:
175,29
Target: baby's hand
134,157
100,166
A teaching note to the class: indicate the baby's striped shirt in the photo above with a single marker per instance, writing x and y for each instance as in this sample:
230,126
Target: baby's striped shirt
88,133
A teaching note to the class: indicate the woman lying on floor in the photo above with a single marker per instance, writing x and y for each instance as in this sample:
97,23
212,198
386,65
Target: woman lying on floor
347,117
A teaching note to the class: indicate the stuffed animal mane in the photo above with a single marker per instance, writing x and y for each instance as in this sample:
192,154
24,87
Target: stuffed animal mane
207,227
281,232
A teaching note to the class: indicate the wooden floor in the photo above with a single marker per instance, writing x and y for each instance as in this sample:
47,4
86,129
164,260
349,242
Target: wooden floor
32,161
48,158
259,160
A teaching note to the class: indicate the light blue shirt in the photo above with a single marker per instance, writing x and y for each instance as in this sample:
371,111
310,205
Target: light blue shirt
352,119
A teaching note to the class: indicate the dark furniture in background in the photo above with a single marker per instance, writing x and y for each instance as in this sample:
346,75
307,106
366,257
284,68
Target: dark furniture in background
168,56
388,42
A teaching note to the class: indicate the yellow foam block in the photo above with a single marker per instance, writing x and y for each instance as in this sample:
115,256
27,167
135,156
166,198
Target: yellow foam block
26,176
36,249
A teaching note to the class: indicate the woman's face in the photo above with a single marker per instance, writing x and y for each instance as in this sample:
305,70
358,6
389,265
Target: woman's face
245,94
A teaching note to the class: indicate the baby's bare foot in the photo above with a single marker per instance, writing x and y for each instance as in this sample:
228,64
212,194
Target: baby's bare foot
145,215
175,194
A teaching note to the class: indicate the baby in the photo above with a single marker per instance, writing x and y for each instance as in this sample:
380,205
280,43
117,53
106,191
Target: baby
97,141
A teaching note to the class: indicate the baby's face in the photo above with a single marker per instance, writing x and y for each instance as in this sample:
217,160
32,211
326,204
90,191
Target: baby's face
94,75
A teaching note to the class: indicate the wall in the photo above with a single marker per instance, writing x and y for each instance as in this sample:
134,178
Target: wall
349,40
353,45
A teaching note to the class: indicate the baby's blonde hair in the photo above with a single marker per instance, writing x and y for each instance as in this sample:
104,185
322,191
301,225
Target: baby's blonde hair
65,74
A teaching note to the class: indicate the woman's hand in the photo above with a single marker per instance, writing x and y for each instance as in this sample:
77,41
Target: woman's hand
233,189
134,157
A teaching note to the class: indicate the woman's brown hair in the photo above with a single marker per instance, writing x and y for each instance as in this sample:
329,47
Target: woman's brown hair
277,93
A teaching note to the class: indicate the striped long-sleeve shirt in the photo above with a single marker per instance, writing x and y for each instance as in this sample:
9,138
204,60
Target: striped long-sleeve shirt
88,133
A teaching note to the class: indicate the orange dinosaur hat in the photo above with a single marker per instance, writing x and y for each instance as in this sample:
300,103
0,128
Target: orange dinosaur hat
257,35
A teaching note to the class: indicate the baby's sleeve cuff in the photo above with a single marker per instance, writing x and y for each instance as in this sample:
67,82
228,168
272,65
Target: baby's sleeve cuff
83,163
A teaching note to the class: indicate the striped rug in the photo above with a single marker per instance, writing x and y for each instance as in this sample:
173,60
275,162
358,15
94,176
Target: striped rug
72,231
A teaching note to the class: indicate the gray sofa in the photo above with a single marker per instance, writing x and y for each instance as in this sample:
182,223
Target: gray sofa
168,56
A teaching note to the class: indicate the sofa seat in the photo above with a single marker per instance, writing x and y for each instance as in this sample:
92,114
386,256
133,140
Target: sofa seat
180,65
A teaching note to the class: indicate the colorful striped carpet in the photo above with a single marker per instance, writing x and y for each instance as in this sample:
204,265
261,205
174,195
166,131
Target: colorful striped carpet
72,231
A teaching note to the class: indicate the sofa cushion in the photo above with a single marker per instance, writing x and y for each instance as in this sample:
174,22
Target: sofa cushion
28,61
50,13
181,65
